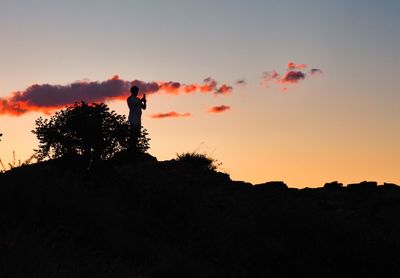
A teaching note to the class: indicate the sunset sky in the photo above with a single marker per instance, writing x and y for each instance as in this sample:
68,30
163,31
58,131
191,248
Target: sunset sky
301,91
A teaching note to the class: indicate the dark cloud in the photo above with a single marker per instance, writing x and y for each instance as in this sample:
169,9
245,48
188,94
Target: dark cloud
241,82
146,87
293,77
315,72
46,97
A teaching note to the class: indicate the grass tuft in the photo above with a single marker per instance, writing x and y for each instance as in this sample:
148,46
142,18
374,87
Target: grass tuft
198,160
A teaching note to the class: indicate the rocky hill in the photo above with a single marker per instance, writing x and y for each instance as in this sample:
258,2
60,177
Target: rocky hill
149,218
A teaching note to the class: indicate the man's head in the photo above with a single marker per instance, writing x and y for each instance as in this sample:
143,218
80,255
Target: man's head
134,90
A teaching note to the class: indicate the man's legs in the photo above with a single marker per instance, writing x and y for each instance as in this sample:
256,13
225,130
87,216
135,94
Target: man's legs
134,136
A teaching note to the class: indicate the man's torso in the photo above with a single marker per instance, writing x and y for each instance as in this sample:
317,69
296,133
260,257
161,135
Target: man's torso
135,110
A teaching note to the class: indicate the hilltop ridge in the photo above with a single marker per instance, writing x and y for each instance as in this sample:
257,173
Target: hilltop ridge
149,218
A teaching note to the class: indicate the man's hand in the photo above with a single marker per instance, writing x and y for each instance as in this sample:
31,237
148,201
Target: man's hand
143,100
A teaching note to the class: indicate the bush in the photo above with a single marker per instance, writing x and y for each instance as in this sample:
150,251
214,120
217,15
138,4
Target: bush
88,130
198,160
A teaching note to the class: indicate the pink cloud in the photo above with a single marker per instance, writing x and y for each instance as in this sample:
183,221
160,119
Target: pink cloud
293,75
171,114
219,109
292,66
224,89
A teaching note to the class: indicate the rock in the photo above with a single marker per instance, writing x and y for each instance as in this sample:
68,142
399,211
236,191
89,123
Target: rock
275,185
390,186
333,185
363,185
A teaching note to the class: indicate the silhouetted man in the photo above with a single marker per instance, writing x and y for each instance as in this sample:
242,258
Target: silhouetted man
135,105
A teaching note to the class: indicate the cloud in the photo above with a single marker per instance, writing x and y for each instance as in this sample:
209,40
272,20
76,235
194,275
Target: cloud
219,109
170,87
189,88
171,114
241,82
224,89
46,98
315,72
209,84
292,66
145,87
269,76
292,76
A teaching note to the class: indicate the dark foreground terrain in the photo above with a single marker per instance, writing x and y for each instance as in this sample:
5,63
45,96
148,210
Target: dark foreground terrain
177,219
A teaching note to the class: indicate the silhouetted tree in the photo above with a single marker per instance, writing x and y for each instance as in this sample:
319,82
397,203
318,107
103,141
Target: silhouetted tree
88,130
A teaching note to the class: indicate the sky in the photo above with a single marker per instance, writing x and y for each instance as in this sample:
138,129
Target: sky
306,92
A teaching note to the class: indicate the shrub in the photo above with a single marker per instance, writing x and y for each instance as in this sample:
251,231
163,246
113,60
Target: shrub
198,160
88,130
